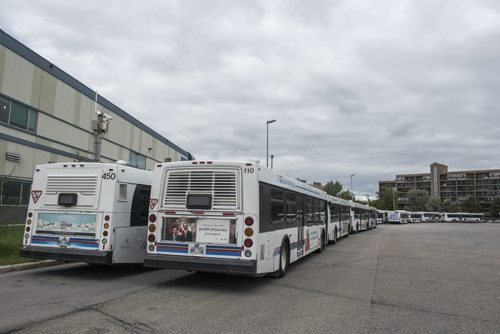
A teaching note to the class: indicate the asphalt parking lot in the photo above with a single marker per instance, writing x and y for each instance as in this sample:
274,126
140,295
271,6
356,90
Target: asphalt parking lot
415,278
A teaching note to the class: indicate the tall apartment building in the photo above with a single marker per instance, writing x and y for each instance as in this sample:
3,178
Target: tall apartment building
46,116
484,185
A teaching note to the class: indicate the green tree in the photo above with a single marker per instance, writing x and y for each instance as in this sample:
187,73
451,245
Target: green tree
471,205
449,206
347,194
495,208
385,199
433,204
417,199
333,188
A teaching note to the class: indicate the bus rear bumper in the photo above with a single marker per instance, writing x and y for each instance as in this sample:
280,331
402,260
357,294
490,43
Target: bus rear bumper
205,264
68,254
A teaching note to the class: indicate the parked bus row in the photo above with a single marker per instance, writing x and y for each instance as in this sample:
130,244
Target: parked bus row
212,216
404,217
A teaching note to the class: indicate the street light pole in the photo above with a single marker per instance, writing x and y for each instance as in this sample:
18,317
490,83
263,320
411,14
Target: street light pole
272,158
393,199
351,184
267,141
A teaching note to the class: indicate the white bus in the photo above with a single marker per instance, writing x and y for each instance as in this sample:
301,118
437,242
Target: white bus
461,217
232,217
88,212
415,217
339,223
398,217
374,218
431,217
360,217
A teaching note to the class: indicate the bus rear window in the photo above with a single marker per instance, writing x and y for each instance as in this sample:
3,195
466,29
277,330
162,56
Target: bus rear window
199,201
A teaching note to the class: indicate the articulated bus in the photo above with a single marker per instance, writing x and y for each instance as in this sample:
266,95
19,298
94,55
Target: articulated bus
339,224
232,217
398,217
462,217
88,212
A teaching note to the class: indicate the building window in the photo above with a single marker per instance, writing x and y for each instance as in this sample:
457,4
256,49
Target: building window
137,160
18,115
14,192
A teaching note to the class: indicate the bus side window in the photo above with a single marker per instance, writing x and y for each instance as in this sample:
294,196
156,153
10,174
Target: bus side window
291,208
277,206
140,206
309,211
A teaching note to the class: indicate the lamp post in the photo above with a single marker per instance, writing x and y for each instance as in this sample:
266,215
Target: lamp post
267,140
351,184
393,199
272,158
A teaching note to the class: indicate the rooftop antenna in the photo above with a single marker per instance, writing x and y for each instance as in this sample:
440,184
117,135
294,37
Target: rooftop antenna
99,129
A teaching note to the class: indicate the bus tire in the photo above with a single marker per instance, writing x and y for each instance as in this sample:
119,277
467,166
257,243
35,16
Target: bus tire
284,258
322,242
334,241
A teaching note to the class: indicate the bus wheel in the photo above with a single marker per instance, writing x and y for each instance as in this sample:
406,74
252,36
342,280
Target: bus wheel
284,259
322,243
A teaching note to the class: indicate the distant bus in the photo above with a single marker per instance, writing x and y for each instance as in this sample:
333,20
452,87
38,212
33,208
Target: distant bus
88,212
360,217
232,217
398,217
416,217
431,217
340,218
460,217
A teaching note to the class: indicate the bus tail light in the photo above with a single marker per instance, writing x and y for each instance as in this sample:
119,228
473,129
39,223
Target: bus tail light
248,221
30,214
248,231
248,243
105,233
248,253
151,238
28,229
107,218
152,228
28,222
152,217
106,226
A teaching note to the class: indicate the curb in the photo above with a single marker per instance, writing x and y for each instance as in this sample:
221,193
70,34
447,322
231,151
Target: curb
29,265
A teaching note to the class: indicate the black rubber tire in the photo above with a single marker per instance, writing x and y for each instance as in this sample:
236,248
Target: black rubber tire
334,241
322,243
284,263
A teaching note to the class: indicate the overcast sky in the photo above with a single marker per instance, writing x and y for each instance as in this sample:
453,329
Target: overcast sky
372,88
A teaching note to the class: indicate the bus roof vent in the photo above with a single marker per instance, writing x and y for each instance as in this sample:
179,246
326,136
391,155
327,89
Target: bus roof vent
121,162
223,185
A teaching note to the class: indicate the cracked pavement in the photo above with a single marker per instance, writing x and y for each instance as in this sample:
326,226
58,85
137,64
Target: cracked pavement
416,278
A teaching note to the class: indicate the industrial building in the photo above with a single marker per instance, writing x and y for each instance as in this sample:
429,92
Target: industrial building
46,117
456,186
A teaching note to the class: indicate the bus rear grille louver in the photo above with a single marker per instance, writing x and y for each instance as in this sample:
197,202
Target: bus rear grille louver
84,184
222,185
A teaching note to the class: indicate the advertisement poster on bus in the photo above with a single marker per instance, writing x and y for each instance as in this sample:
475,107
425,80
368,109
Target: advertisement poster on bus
199,230
74,223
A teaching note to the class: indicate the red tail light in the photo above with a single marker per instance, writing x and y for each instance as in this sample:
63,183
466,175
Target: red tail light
248,243
152,218
151,238
248,221
107,218
30,214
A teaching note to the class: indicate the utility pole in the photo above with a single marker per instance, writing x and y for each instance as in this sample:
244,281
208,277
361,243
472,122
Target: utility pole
99,129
